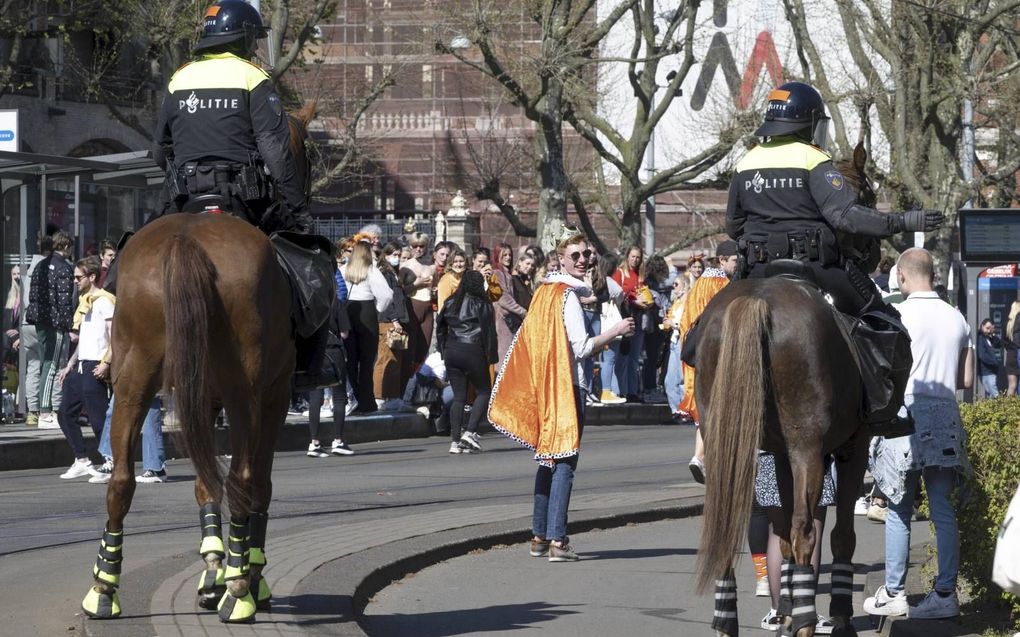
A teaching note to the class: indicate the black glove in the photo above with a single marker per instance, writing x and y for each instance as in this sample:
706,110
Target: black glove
921,220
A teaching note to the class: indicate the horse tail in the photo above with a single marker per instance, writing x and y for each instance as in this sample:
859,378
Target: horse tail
189,286
734,426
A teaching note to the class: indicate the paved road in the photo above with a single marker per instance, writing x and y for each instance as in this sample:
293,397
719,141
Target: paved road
635,580
323,509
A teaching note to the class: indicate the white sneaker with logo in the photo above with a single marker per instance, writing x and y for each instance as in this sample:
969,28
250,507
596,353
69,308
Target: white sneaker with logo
861,506
885,604
935,606
78,469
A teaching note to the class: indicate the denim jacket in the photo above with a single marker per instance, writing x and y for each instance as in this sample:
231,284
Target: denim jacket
938,441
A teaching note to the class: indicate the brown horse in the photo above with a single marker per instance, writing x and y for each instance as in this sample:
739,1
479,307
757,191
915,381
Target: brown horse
203,311
777,344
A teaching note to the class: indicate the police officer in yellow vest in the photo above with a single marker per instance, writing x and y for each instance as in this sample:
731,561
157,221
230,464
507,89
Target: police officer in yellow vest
222,125
787,200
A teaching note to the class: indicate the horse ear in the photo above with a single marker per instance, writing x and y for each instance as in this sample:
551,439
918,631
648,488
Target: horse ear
860,156
307,112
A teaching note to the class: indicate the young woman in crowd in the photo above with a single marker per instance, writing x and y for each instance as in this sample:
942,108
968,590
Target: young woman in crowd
523,284
466,335
417,279
674,369
695,267
457,265
611,394
654,272
551,266
392,366
628,276
509,311
368,294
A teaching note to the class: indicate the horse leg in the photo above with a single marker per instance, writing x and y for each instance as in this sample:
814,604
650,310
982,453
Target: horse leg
806,465
211,582
238,604
274,412
851,462
102,601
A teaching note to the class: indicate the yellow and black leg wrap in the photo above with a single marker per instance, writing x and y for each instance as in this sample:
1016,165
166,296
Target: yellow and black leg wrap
211,521
240,607
211,582
102,601
257,523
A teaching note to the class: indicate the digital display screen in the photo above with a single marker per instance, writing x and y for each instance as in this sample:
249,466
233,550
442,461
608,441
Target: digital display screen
989,235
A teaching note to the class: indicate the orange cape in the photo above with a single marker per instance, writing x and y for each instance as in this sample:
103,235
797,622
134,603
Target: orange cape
697,299
533,398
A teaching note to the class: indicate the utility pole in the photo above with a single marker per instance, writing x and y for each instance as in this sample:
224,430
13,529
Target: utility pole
649,230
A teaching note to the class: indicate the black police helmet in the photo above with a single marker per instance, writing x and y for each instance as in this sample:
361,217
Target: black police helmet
230,22
794,108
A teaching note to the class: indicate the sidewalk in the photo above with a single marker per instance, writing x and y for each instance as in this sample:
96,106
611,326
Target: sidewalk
24,447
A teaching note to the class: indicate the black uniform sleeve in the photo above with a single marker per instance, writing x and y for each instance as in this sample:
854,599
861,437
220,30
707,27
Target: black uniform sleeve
735,215
838,204
272,135
164,138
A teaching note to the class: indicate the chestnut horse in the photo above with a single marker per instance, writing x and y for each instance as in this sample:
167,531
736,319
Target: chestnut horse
777,345
203,310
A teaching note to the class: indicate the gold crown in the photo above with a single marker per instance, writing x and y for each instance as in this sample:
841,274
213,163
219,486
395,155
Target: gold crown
566,232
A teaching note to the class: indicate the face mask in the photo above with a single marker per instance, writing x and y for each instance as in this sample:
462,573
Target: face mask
393,260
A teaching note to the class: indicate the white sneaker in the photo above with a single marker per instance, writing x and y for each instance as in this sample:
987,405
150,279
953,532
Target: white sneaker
458,447
78,469
352,404
102,473
770,621
934,606
424,411
471,439
340,448
761,588
861,506
697,467
315,450
885,604
48,421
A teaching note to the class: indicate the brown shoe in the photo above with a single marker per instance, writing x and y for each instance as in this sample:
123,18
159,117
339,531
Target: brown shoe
539,548
563,553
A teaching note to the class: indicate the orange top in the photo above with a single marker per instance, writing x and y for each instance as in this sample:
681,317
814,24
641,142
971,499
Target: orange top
703,290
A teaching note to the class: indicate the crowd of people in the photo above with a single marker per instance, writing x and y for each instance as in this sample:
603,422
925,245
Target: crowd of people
60,316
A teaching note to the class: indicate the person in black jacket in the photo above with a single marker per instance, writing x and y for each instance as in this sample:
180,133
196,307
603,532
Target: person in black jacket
466,335
989,358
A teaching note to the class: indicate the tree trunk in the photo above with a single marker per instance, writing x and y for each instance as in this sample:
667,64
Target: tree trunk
553,180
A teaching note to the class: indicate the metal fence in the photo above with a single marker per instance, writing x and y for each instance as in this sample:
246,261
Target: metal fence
392,229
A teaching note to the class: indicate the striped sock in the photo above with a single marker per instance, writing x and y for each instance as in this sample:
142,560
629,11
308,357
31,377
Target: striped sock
724,619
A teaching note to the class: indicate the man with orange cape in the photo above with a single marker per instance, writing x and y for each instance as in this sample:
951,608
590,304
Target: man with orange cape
539,396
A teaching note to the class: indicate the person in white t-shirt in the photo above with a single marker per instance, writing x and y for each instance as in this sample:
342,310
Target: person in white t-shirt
85,377
943,362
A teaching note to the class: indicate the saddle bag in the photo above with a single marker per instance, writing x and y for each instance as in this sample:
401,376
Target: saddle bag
883,353
308,262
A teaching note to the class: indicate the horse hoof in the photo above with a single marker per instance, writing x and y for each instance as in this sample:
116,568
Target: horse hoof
211,588
101,605
237,610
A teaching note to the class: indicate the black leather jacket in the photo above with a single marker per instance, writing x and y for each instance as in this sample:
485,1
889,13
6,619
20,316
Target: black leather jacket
474,324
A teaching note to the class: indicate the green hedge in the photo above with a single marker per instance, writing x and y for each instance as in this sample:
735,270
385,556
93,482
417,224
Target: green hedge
993,445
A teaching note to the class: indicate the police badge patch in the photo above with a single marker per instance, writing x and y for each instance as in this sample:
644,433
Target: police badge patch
276,105
835,179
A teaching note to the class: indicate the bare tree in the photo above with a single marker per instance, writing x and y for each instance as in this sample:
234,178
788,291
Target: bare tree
919,66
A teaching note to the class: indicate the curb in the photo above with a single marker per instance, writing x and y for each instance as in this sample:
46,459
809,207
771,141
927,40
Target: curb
24,448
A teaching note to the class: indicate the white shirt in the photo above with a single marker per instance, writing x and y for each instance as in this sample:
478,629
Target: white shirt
374,287
93,336
573,320
938,335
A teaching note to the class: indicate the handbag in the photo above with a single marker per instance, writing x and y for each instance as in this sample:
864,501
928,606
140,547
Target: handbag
425,391
1006,565
396,340
610,317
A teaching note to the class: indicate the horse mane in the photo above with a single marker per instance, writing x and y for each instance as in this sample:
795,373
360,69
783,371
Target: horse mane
865,250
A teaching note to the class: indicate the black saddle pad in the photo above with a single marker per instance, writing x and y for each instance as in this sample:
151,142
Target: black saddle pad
791,269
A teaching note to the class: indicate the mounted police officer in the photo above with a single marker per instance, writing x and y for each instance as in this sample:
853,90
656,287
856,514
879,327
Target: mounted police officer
224,138
787,201
222,127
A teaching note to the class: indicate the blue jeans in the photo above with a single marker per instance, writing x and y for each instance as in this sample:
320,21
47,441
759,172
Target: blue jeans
991,385
629,368
593,323
553,486
608,368
674,377
153,452
939,483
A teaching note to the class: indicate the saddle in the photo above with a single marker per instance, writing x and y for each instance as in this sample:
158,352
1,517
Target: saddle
794,270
